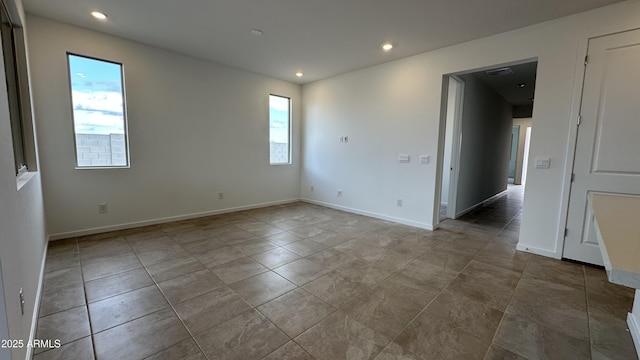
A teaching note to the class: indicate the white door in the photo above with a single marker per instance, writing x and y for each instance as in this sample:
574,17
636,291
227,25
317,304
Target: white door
607,155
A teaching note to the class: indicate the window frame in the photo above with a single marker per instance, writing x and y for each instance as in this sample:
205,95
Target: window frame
12,67
125,117
289,130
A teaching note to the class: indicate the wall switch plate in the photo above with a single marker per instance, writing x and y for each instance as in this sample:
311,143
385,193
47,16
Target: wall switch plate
399,202
404,158
102,208
312,188
424,159
543,162
339,193
220,195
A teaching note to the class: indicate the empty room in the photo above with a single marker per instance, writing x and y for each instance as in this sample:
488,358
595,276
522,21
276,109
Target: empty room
319,180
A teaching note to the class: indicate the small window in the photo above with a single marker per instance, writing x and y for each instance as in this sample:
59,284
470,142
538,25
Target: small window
99,116
279,130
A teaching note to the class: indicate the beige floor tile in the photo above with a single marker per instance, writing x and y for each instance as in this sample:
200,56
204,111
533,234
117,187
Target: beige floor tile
341,337
394,351
108,286
104,266
275,258
295,311
464,313
81,349
301,271
141,338
535,342
66,326
432,337
362,282
119,309
289,351
209,310
186,350
61,299
496,352
263,287
388,308
304,247
238,270
247,336
554,306
174,268
189,286
336,289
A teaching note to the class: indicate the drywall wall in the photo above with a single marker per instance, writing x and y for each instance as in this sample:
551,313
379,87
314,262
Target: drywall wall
22,238
395,108
195,129
486,138
524,124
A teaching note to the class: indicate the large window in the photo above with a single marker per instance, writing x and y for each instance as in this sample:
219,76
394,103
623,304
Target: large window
279,130
99,116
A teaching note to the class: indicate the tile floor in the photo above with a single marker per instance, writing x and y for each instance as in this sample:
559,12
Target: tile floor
300,281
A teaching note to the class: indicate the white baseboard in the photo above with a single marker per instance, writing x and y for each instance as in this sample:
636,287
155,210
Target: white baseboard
36,306
634,329
481,203
372,214
534,250
136,224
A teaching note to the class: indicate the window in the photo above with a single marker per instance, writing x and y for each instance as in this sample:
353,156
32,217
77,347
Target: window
99,116
13,91
279,130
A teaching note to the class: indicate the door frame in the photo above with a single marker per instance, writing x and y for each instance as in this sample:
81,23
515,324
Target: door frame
455,144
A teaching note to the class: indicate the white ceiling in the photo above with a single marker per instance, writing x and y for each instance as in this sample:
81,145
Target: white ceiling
321,38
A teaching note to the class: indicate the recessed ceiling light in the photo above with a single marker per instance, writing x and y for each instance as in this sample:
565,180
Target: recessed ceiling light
299,74
256,32
387,46
99,15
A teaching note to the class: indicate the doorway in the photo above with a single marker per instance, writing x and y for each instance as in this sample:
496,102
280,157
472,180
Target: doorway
484,138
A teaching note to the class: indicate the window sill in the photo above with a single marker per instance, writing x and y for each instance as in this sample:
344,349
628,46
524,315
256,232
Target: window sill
24,178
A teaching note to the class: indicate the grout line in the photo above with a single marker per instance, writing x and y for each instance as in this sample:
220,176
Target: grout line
86,302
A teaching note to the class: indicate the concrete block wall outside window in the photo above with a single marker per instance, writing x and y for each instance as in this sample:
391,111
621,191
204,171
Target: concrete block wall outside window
279,152
101,150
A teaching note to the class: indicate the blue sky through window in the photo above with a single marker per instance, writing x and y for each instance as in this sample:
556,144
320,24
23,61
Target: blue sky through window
97,96
278,119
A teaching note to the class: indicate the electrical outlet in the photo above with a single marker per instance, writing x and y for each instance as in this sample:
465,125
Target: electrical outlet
102,208
220,196
313,188
399,203
339,193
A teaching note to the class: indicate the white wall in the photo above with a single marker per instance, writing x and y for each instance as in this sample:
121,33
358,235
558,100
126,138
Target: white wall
195,129
486,138
22,235
395,107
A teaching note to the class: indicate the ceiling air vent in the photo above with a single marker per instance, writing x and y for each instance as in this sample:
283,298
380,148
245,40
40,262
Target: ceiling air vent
499,72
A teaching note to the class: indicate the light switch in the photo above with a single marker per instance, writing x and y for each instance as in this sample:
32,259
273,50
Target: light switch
424,159
543,162
403,158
